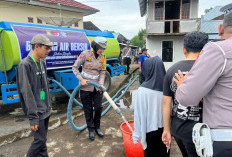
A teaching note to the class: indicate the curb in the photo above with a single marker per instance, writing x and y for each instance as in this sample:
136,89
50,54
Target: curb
54,122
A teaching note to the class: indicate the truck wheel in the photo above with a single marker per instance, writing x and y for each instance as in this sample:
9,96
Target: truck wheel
107,82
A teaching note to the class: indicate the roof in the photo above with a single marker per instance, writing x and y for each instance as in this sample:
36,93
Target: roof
122,39
88,25
143,7
211,22
211,28
70,3
214,36
214,13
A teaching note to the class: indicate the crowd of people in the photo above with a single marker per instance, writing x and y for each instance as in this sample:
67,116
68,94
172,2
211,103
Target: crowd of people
192,91
195,92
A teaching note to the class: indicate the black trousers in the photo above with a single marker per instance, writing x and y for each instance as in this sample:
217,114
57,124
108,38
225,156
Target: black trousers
38,147
155,146
187,148
141,78
222,149
90,100
127,62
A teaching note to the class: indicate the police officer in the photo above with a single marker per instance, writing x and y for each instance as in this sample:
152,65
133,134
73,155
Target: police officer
127,57
93,69
211,78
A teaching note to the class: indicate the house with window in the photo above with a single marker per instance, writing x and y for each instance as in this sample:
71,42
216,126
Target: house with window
67,13
167,22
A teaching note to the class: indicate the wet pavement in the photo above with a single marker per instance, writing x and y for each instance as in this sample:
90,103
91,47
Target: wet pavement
65,142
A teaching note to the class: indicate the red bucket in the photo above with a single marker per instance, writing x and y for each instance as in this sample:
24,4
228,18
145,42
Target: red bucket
131,149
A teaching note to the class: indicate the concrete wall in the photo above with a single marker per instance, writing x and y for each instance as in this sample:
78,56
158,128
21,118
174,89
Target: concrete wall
155,27
16,12
154,44
188,26
185,26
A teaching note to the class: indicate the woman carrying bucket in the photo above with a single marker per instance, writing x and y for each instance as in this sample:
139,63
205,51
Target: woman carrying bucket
148,122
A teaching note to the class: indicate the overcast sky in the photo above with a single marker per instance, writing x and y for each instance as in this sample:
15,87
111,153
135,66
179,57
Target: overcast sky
124,15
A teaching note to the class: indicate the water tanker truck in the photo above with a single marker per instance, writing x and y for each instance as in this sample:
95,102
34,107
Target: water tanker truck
15,45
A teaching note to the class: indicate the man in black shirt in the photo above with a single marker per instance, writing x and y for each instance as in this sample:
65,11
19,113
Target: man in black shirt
183,118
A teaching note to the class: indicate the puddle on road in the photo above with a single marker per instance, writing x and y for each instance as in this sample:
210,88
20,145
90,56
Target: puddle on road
128,100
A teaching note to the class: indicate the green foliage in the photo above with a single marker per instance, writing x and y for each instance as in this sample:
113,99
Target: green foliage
138,40
141,34
208,10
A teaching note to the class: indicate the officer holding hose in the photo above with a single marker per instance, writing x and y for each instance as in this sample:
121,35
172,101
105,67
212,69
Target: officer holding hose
211,78
93,69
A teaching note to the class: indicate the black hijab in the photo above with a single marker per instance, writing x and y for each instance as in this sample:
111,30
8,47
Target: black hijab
95,47
153,72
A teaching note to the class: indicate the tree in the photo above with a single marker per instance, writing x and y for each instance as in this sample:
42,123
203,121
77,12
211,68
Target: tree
138,40
208,10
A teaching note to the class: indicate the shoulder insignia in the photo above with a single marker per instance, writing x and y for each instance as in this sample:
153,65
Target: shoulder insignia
103,66
82,55
102,59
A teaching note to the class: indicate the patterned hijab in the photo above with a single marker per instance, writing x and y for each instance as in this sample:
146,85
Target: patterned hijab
153,72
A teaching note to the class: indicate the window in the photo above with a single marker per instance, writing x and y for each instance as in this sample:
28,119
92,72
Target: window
39,21
76,24
185,9
30,19
159,10
167,51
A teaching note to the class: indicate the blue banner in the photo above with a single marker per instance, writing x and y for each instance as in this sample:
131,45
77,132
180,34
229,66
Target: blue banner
69,44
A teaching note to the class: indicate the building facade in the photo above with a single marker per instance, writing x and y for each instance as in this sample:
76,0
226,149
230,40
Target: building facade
45,11
167,22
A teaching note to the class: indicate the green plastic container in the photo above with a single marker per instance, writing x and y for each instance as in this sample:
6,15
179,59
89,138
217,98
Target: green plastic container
10,49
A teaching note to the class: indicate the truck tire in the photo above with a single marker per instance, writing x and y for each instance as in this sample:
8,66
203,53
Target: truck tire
107,82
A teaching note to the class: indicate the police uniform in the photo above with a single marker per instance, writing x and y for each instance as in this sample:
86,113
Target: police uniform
127,56
93,69
211,78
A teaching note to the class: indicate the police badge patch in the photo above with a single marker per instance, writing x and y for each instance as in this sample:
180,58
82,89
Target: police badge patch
82,55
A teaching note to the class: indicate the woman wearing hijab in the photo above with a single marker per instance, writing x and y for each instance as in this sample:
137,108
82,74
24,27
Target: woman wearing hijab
148,121
93,69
